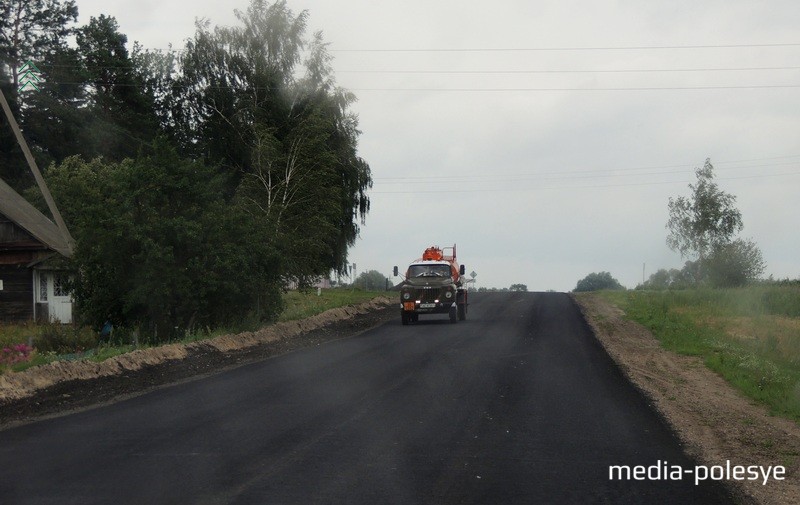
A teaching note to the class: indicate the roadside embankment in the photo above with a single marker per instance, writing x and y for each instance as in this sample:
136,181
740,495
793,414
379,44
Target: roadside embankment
717,423
20,385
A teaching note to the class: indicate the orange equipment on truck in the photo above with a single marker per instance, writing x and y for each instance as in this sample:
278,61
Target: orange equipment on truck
433,285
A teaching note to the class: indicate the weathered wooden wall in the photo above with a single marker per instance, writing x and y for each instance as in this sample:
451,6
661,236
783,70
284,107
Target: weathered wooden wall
16,298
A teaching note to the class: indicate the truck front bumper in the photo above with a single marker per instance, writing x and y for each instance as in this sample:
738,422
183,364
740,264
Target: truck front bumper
440,307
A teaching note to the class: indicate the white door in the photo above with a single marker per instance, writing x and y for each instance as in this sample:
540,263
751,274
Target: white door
52,289
61,301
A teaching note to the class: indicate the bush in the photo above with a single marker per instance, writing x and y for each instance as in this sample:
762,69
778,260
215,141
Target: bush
734,264
597,281
64,339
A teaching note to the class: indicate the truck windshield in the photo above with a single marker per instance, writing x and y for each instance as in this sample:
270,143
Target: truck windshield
429,271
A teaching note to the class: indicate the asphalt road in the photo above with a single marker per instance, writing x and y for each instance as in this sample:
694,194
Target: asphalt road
518,404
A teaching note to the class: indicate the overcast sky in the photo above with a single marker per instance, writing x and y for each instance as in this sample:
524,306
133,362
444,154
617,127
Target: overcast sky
545,138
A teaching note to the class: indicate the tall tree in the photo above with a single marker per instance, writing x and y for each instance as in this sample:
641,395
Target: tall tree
703,226
30,29
122,116
55,116
157,70
288,145
35,31
706,220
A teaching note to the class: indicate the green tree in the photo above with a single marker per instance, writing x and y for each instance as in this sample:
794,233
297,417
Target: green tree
121,116
706,220
287,144
372,281
55,117
518,287
597,281
703,226
159,248
30,29
36,31
157,71
235,82
735,264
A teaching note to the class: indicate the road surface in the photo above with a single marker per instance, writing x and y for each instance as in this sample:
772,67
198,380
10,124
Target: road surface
518,404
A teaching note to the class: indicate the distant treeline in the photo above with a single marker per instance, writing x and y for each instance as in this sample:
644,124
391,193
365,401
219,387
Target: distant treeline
196,182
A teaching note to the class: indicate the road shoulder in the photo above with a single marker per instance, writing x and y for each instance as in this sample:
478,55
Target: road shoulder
715,422
63,387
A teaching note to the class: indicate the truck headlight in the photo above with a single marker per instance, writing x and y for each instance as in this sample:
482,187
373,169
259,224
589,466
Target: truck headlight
406,295
448,294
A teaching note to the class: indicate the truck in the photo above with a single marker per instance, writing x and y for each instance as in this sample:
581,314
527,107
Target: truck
433,284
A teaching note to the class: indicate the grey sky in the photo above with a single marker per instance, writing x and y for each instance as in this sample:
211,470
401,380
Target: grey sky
542,154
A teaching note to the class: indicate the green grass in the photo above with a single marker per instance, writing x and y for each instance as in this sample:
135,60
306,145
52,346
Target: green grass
300,305
750,336
54,342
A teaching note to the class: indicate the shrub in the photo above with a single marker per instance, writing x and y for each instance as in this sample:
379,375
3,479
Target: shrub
598,281
64,339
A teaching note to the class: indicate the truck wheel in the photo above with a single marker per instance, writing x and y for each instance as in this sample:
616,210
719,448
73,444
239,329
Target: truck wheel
453,314
462,311
404,318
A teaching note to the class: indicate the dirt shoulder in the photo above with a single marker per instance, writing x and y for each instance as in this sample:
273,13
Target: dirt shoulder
62,387
715,422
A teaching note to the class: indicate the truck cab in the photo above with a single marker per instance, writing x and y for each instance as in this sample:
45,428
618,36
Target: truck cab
433,285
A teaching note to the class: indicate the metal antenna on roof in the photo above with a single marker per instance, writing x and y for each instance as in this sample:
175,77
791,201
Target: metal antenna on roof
51,204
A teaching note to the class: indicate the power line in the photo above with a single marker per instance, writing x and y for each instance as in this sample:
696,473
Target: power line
568,71
551,178
587,174
512,71
592,186
470,90
531,49
637,88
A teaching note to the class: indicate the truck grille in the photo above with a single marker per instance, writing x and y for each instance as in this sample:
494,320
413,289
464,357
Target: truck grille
429,295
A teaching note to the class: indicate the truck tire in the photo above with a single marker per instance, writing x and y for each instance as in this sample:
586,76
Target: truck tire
404,318
462,311
453,314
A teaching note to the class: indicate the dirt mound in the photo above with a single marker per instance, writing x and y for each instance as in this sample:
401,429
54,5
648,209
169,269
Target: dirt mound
16,386
289,329
714,421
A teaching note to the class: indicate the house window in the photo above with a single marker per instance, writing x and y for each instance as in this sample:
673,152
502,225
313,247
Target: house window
42,287
60,285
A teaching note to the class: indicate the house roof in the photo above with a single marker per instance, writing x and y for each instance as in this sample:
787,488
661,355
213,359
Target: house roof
28,217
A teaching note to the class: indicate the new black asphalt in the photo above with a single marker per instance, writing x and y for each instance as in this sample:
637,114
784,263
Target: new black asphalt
517,404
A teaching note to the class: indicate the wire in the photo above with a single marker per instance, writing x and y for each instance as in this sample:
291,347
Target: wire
545,71
531,49
654,88
576,71
525,49
593,186
483,90
582,174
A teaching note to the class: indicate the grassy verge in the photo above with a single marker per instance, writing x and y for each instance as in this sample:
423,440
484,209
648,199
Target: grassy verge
54,342
300,305
750,336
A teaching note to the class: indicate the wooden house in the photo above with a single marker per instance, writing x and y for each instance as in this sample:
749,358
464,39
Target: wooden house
33,285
